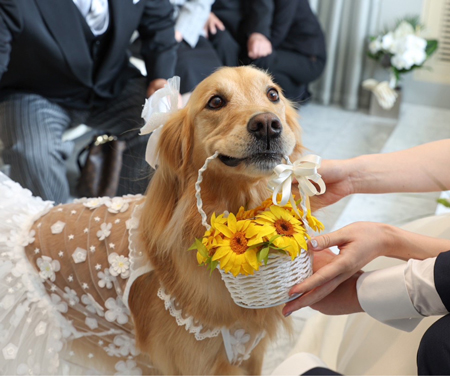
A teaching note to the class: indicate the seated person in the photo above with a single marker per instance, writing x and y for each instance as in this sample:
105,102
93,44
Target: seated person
197,58
65,63
281,36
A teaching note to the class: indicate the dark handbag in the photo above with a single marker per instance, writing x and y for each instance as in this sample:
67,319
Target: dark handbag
100,172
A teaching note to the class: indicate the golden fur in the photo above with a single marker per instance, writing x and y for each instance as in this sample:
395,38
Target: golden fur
170,222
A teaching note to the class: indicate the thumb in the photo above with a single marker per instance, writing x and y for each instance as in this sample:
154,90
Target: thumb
325,241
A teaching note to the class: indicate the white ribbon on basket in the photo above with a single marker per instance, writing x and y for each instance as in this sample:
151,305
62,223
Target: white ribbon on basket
305,171
157,110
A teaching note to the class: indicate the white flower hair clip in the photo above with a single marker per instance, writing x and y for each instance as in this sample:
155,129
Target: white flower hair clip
157,110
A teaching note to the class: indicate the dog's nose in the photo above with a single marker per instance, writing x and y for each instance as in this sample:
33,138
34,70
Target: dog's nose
265,126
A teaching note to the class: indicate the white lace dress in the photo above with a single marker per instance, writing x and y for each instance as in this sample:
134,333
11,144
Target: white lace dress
56,313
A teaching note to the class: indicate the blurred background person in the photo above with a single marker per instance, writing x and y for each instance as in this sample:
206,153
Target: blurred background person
66,63
282,36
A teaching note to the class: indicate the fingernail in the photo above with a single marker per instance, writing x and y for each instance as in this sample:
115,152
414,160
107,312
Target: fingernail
287,314
294,295
314,243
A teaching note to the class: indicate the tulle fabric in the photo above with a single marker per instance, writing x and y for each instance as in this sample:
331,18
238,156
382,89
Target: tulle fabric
62,274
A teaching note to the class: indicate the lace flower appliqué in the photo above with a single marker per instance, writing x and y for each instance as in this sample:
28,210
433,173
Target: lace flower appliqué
48,267
120,265
117,205
105,231
116,311
106,279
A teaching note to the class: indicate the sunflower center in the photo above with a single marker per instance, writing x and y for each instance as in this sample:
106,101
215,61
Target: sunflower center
284,227
238,243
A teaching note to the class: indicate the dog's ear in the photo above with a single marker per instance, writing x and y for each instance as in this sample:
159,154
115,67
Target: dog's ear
175,144
292,118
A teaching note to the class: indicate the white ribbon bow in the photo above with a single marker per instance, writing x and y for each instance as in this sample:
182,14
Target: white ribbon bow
157,110
305,171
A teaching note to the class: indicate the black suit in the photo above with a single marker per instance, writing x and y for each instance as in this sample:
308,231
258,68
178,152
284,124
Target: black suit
47,48
55,74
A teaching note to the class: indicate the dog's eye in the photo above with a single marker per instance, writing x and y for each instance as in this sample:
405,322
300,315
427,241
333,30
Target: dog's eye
273,95
216,102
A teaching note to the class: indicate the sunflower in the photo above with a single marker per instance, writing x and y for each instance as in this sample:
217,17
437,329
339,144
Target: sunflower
313,222
278,221
233,252
212,238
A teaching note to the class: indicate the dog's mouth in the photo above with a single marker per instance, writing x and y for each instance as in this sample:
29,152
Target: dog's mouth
263,160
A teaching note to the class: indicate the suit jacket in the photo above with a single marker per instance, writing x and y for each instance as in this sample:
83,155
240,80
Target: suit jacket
288,24
45,49
442,278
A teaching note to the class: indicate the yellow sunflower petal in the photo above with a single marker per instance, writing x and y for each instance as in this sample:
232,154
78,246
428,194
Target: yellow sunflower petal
224,230
251,258
230,263
232,223
222,251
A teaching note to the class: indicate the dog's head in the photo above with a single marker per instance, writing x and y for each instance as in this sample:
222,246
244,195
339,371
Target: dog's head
238,112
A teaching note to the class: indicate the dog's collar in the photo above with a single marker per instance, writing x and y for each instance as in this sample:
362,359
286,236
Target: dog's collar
238,344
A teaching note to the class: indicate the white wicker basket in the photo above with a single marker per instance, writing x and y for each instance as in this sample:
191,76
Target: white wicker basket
270,285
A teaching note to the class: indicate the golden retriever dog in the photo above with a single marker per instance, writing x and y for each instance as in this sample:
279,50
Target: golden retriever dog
239,113
243,115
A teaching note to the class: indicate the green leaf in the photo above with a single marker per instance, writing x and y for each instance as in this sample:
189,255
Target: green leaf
192,247
431,47
201,248
444,202
263,253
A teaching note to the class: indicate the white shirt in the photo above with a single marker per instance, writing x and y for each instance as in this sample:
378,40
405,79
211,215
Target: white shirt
402,295
96,13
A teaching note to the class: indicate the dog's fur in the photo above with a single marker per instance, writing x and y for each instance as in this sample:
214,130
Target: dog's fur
170,221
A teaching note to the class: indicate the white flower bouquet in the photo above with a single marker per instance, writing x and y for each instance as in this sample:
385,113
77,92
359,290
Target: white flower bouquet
402,50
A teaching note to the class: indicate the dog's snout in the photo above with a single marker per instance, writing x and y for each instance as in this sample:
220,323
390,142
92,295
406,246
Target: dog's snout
265,126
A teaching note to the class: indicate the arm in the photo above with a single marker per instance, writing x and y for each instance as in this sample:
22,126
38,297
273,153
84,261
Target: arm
359,244
192,19
283,18
424,168
10,25
158,49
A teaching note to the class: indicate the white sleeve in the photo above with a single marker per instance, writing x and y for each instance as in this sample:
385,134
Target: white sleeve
402,295
192,18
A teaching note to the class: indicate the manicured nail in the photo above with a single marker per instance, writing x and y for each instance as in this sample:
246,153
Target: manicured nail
294,295
287,314
314,243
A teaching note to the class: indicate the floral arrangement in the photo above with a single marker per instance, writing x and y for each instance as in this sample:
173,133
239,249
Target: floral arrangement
240,243
402,50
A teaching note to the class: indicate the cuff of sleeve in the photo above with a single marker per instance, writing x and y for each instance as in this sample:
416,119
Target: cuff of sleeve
298,364
384,296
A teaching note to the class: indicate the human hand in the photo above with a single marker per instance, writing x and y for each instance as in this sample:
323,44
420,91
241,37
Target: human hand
154,85
178,36
258,46
337,175
359,243
212,24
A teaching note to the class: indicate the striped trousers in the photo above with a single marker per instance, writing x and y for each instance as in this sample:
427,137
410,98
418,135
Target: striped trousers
31,129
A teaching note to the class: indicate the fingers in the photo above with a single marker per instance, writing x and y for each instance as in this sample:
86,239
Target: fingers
322,276
314,296
321,242
219,24
212,28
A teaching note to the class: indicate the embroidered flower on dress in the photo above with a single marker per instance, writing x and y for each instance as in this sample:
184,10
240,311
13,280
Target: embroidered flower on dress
58,303
48,267
116,311
238,341
117,205
104,231
10,351
31,367
106,279
122,346
120,265
71,296
57,227
127,368
94,203
92,306
79,255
